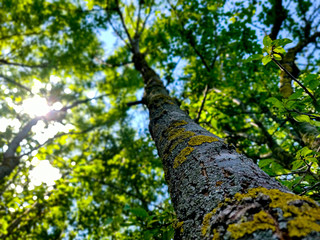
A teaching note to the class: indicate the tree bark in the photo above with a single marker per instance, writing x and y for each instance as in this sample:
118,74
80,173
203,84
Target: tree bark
216,192
10,160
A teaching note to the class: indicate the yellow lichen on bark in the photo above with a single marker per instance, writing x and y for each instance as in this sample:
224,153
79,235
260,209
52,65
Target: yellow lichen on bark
206,222
305,217
301,213
302,226
198,140
178,225
184,135
216,235
261,221
182,156
174,133
178,123
176,136
158,99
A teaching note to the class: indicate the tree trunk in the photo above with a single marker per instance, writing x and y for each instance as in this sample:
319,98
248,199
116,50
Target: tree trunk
217,192
307,132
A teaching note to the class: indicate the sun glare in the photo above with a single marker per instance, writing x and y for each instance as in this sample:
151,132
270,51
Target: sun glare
36,106
43,172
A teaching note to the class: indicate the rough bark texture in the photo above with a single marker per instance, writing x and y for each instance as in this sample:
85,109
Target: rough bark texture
206,178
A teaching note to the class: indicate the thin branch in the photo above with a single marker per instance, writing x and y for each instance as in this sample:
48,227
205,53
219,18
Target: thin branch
9,182
117,64
310,188
303,43
56,137
121,190
15,223
314,14
298,171
191,40
296,80
129,104
139,18
173,70
307,114
145,20
205,93
118,34
118,10
76,103
17,34
3,61
282,156
304,175
15,83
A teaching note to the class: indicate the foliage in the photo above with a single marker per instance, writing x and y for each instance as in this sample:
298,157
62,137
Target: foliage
112,184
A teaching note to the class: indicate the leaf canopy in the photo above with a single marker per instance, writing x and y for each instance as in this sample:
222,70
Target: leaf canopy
76,55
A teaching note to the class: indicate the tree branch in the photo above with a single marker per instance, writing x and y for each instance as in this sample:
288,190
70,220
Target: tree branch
129,104
139,18
280,15
3,61
119,35
145,20
118,10
205,93
296,80
15,83
310,188
10,161
15,223
17,34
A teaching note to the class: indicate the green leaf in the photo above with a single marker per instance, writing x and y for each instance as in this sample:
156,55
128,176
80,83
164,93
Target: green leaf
139,212
297,94
266,59
90,4
279,50
315,123
277,168
297,164
126,207
304,151
267,41
265,50
108,221
302,118
233,19
275,102
254,57
265,162
281,42
312,159
311,81
277,57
